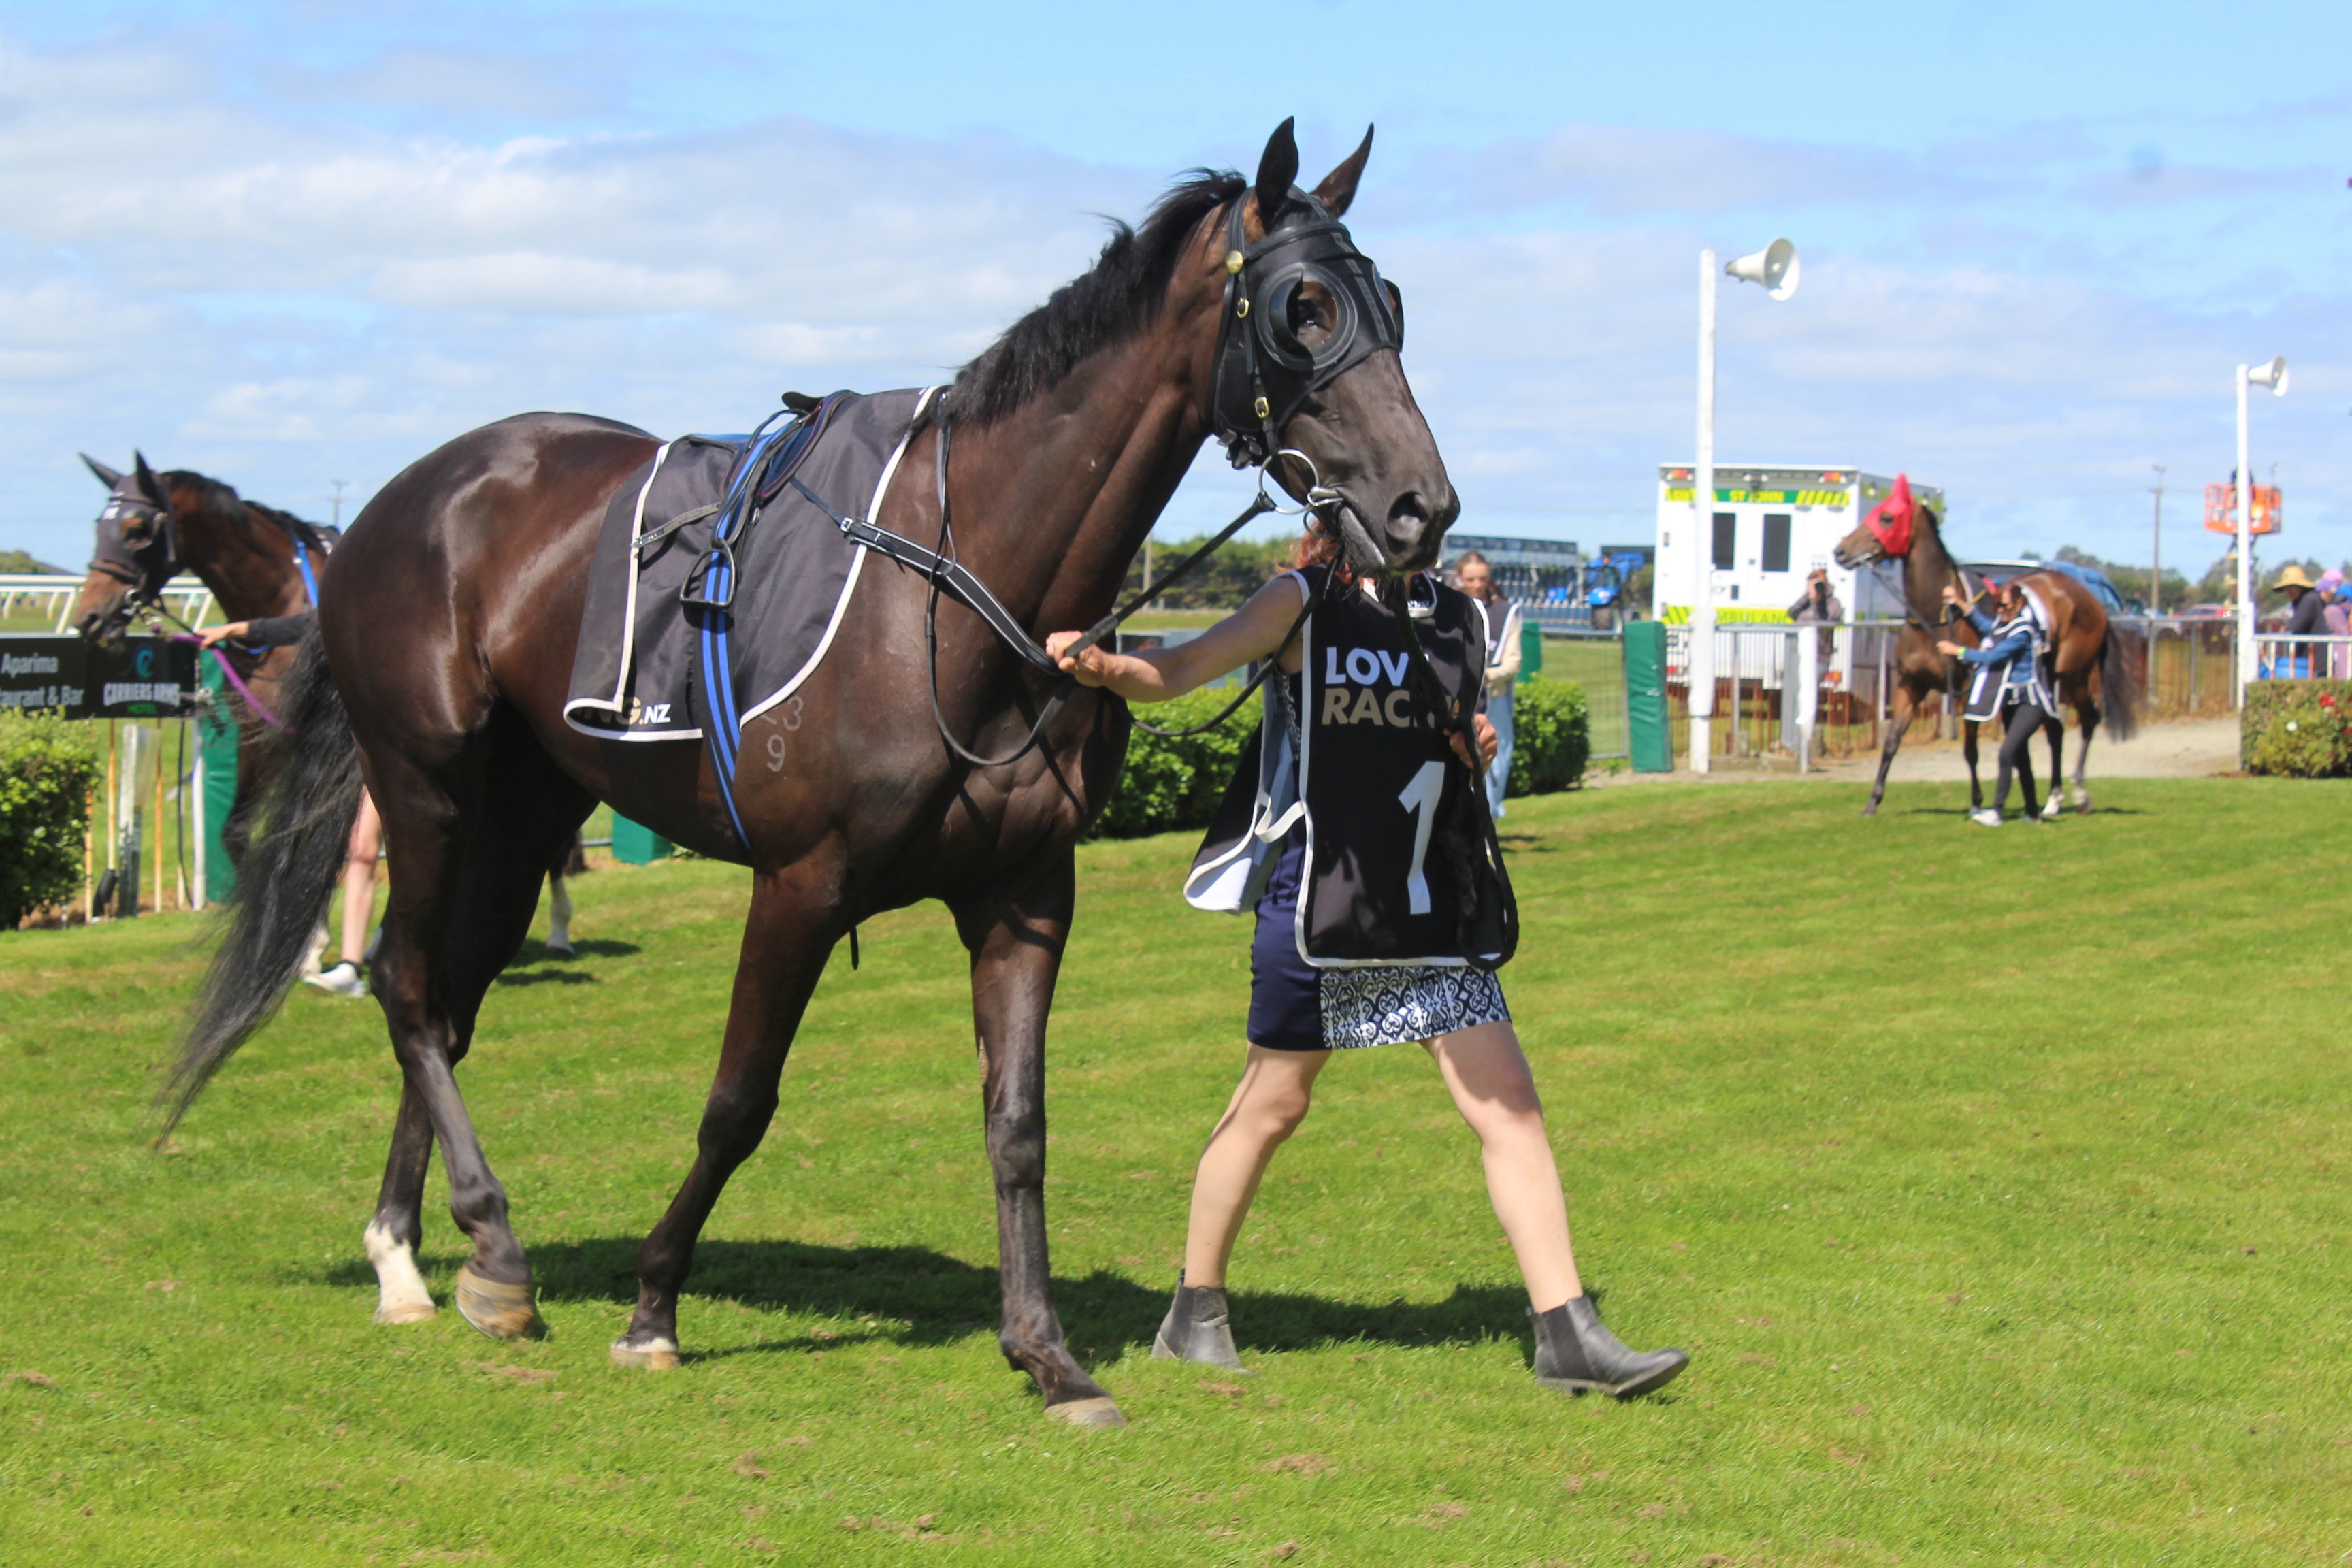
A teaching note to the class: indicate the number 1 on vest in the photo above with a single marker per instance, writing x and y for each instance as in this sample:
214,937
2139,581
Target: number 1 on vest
1419,797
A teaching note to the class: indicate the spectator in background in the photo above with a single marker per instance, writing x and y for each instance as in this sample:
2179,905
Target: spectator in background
2306,617
1820,604
2337,616
1475,578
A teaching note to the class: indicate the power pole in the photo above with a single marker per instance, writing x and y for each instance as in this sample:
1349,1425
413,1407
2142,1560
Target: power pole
2156,549
338,485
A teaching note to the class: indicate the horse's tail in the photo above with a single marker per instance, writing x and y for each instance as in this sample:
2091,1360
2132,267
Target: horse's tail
2123,678
284,882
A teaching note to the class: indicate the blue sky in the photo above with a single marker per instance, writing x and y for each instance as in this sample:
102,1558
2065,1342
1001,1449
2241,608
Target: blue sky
292,244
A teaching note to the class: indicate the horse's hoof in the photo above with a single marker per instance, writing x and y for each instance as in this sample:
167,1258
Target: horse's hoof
561,949
407,1312
503,1311
654,1355
1101,1412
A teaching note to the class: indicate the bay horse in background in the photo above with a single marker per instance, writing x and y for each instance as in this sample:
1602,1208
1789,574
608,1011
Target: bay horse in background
2101,667
1070,434
258,562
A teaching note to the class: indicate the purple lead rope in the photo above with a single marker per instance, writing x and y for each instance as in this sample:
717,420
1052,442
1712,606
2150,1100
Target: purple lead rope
233,680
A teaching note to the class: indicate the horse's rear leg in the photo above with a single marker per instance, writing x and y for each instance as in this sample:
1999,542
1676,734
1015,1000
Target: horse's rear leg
794,923
1015,941
1904,707
397,1228
2087,720
559,900
525,802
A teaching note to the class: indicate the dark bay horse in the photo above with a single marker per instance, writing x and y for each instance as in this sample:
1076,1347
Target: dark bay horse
1068,436
155,526
2099,665
258,561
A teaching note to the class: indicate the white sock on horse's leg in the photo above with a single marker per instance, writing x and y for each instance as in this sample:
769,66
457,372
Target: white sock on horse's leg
559,924
400,1293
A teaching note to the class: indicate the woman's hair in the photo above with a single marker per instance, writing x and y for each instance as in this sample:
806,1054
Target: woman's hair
1469,558
1314,547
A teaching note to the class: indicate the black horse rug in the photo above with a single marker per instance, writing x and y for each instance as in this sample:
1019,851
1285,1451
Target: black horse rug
794,569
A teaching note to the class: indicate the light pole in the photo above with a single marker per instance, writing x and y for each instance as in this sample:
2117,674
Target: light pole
1774,267
2156,548
2272,376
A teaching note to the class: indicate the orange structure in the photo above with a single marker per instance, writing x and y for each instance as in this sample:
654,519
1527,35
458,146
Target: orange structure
2221,509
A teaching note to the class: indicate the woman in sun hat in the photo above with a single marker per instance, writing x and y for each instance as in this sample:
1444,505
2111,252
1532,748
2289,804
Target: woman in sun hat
2306,617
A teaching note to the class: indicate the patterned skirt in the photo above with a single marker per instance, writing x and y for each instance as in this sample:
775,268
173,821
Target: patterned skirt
1295,1006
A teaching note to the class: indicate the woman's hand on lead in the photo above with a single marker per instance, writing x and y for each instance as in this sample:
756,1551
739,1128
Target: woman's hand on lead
1091,666
1950,649
212,636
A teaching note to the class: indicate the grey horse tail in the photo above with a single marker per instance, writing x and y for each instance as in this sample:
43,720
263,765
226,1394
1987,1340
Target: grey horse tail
282,886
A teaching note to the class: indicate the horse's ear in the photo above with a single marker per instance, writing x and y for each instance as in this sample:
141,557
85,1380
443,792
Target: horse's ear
150,485
1338,191
1277,171
108,476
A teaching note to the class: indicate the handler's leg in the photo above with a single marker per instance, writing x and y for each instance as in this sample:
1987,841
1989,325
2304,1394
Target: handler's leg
359,903
1488,1075
1267,1106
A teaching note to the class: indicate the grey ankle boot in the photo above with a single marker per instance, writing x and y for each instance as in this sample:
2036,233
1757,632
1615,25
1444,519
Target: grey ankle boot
1197,1328
1575,1352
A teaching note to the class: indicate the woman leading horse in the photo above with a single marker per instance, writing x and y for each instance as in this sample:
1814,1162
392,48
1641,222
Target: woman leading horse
1239,310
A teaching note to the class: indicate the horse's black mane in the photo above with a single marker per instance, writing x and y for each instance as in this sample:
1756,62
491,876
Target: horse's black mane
1122,292
223,501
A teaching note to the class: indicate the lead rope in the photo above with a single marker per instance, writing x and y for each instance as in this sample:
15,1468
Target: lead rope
1484,843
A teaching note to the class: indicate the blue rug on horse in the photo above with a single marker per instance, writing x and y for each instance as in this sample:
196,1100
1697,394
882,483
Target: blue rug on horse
795,571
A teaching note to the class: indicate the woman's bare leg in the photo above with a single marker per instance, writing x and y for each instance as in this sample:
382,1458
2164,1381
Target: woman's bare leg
1269,1104
359,880
1488,1075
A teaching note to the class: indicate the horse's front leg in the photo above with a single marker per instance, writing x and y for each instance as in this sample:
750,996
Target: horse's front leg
1969,728
1015,940
1904,706
794,923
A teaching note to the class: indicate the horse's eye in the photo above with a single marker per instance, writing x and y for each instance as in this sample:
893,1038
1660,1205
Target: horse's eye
1308,310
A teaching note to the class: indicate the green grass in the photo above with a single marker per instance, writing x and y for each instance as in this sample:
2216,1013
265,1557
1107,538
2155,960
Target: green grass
1995,1181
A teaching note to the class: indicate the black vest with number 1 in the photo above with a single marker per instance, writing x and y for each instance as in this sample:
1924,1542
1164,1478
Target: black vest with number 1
1378,776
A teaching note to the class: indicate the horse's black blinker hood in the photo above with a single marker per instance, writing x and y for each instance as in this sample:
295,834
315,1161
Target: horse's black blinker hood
1263,372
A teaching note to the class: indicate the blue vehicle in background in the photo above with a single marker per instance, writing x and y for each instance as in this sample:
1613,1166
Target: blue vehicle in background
1606,581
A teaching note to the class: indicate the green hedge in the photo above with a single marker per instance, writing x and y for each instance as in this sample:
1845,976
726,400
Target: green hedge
2297,728
47,769
1168,785
1172,785
1551,736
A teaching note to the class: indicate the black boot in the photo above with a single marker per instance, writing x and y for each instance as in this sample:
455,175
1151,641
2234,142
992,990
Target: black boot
1575,1352
1197,1328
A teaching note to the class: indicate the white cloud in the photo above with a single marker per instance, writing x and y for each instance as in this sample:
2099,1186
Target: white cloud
269,292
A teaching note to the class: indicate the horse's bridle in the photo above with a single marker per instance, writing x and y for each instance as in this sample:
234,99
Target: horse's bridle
1263,373
143,571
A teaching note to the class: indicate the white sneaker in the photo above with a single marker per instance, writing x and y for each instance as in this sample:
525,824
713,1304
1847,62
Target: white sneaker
1983,816
342,980
2055,811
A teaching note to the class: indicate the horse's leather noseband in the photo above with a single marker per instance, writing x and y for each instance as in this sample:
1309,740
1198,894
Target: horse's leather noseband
1263,372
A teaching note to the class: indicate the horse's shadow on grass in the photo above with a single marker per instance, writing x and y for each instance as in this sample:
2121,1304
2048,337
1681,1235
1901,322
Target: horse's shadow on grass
915,1296
1961,812
533,952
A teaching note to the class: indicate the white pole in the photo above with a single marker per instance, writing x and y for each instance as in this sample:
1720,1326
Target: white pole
1701,572
196,816
2246,662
